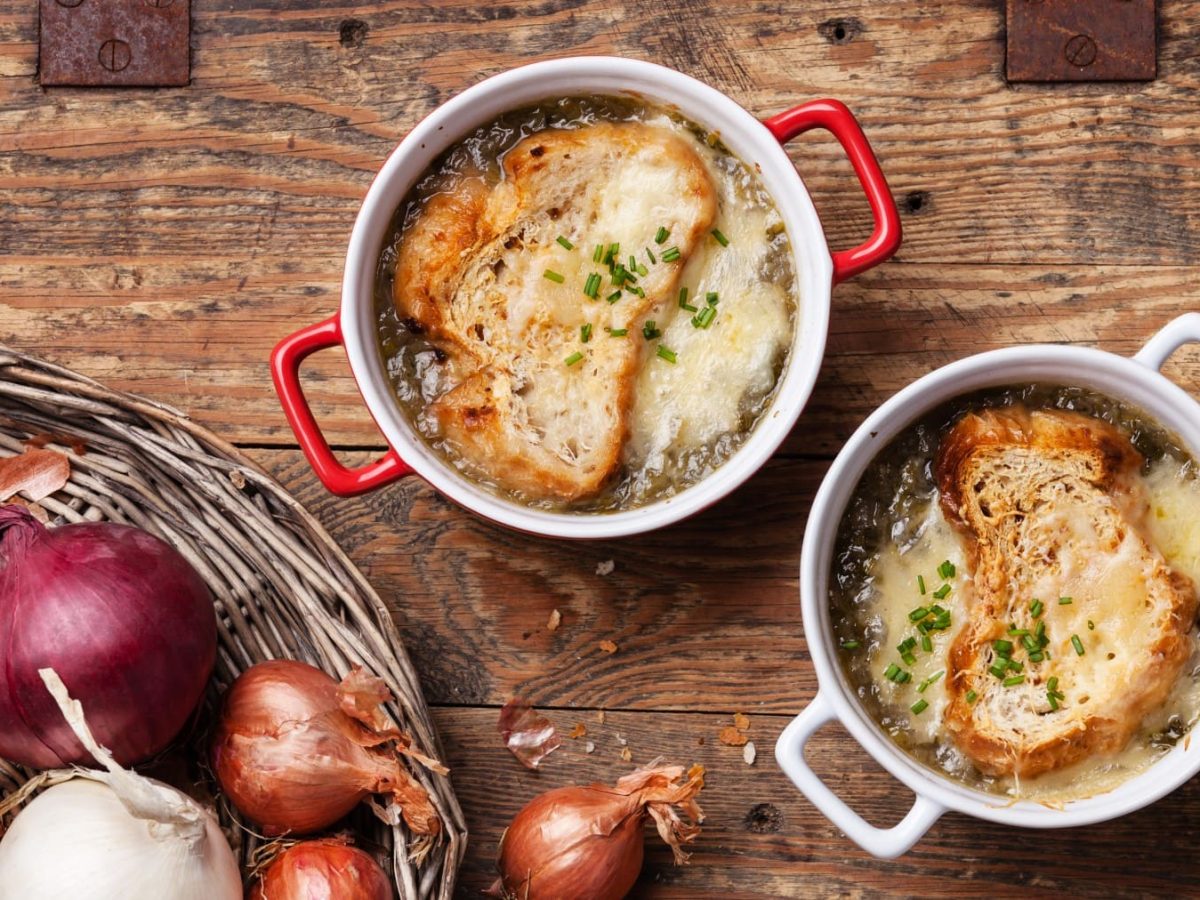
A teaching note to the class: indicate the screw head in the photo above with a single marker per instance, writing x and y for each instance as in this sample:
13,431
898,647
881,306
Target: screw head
115,55
1080,51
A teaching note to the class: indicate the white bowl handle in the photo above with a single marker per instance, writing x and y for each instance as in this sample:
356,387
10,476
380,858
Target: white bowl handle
1184,330
885,843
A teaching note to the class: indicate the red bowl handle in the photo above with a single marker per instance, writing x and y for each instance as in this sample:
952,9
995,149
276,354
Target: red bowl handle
285,370
835,117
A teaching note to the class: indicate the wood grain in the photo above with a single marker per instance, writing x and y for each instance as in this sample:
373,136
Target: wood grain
762,838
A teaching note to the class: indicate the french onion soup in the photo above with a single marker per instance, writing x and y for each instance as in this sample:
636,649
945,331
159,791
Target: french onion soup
586,305
1014,592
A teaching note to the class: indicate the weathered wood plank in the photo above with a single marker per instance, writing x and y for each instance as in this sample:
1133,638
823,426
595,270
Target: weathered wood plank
197,333
763,839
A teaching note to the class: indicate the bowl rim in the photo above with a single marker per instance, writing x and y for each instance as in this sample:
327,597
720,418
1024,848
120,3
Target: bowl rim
745,135
1130,380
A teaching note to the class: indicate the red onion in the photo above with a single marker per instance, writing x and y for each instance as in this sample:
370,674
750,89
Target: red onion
122,617
328,868
295,751
587,842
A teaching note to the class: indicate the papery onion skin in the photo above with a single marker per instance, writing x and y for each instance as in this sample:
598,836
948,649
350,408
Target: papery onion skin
328,869
294,762
122,617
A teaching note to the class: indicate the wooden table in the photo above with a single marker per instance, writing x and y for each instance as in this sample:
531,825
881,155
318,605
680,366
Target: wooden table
164,240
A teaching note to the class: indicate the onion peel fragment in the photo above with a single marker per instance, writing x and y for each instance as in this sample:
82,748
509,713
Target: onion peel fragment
36,473
527,733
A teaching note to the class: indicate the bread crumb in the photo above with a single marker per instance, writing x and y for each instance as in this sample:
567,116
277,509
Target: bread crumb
608,646
741,722
606,567
749,754
589,747
555,621
580,730
627,754
731,737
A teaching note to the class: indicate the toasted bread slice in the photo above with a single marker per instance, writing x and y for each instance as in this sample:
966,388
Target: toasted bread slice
1051,505
471,272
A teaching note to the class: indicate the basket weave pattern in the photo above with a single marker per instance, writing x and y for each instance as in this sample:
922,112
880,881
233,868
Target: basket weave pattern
281,586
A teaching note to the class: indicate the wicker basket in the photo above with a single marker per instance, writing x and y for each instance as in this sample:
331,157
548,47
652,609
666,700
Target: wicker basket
282,587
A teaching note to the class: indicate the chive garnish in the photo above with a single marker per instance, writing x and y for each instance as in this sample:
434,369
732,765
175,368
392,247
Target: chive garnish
705,317
642,270
591,287
971,695
671,254
1013,665
650,256
942,592
946,570
633,263
573,358
999,669
598,253
926,643
1029,643
1036,656
553,276
921,584
891,672
683,304
1036,608
585,332
613,297
617,332
907,644
1018,632
661,235
564,243
1065,601
1004,648
611,253
1052,699
664,353
1013,680
1052,683
1077,644
850,645
711,298
721,239
649,331
919,707
904,678
636,290
918,614
928,681
909,658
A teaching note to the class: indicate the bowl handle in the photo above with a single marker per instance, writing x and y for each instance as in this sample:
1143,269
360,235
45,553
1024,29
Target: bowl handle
285,369
835,117
1176,333
885,843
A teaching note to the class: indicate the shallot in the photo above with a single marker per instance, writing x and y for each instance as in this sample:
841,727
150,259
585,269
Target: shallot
328,868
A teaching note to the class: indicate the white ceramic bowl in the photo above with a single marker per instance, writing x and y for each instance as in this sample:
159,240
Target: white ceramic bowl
757,143
1136,381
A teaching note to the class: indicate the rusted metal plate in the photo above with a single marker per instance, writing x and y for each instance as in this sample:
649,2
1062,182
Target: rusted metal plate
1082,40
115,42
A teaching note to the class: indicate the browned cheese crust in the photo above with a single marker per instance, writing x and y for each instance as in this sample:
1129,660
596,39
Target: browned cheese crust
1052,501
471,275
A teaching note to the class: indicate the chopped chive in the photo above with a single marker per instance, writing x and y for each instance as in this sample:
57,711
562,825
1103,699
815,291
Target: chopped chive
1013,665
564,243
613,297
909,659
642,270
1052,683
1036,608
942,592
649,331
611,253
1029,643
1004,648
591,287
905,678
918,614
573,358
598,253
633,263
928,681
1040,634
661,235
921,584
998,669
891,672
1052,699
926,643
664,353
585,332
937,609
671,254
1037,656
650,256
919,707
1018,632
553,276
1091,625
907,644
721,239
971,695
712,298
1065,601
850,645
617,332
705,317
636,290
1013,680
947,570
1077,644
683,304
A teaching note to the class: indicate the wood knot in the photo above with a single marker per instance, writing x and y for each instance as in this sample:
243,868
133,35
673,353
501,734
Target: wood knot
764,818
840,31
916,202
352,32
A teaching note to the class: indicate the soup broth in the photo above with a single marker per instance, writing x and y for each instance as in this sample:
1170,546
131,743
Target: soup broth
691,408
895,551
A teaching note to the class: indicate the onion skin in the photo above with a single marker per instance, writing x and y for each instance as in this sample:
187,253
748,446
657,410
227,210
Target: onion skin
290,755
328,869
587,843
121,616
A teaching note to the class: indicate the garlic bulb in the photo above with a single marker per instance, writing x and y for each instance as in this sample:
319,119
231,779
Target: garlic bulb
113,835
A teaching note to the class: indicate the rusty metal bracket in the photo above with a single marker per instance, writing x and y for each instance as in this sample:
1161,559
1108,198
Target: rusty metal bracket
1082,40
143,43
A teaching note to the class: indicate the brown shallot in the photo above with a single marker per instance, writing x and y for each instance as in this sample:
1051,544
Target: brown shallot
328,868
587,842
295,751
